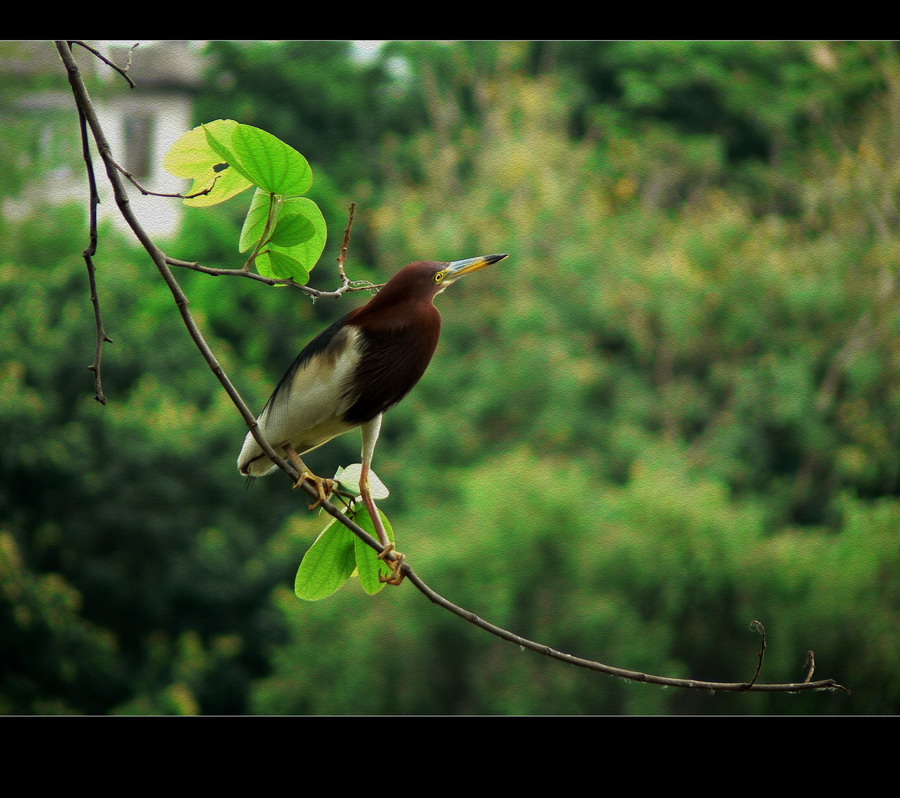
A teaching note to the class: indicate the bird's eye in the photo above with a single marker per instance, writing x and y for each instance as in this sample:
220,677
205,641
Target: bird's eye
438,277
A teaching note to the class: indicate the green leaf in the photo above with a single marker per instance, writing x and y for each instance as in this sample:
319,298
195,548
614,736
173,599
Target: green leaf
328,563
219,138
292,230
349,479
284,262
253,156
307,252
269,162
367,562
255,222
192,157
281,266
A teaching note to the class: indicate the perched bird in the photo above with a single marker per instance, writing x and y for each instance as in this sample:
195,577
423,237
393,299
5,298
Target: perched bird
352,372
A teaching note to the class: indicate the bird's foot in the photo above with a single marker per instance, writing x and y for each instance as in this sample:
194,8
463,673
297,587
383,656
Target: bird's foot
397,573
324,487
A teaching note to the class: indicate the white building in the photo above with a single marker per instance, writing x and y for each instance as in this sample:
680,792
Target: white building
140,124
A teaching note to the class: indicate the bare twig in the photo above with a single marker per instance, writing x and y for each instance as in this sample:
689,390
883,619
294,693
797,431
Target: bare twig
757,626
88,255
162,263
147,193
735,687
347,286
810,664
130,54
109,63
345,246
313,292
346,283
101,332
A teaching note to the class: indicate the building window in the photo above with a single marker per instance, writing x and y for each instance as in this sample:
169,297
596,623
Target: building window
139,144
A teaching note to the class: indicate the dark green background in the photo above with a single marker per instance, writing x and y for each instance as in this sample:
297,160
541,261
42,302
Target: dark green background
673,410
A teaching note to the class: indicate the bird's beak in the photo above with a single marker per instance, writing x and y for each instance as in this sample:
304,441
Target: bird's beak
460,267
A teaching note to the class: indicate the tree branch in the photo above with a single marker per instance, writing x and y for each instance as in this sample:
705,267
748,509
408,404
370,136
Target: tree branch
757,625
162,262
88,255
622,673
345,245
350,287
148,193
121,70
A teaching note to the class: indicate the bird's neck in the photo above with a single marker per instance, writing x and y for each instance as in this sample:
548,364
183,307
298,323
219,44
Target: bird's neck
390,311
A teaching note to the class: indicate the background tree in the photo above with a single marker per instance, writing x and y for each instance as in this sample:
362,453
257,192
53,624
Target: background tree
672,411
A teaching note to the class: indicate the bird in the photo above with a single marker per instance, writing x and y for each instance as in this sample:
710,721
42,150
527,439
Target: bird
351,373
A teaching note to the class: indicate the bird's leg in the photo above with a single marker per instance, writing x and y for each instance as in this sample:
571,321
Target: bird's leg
324,487
370,431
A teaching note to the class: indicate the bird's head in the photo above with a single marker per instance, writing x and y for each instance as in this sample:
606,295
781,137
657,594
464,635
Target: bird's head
447,273
425,279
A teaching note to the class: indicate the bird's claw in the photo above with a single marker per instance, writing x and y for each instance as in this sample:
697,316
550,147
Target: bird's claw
397,572
324,487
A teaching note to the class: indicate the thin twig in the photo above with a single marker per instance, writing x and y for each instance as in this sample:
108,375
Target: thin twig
181,300
88,255
810,664
101,332
359,285
736,687
345,246
757,626
130,54
147,193
106,61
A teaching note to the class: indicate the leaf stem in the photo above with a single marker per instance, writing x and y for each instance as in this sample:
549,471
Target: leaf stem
275,203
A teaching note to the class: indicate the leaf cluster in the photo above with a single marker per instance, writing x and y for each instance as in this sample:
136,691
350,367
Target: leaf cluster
284,232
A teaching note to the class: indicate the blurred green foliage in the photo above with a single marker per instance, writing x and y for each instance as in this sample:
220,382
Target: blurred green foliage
672,411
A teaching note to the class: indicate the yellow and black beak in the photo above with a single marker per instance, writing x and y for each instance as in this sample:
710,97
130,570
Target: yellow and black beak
458,268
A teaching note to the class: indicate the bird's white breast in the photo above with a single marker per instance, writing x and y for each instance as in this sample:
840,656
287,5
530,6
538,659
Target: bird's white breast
307,411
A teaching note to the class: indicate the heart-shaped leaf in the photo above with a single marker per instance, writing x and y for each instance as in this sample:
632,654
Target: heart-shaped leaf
271,164
368,565
281,266
192,157
328,563
293,229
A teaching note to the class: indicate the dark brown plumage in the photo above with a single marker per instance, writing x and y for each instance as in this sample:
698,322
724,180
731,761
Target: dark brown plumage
355,370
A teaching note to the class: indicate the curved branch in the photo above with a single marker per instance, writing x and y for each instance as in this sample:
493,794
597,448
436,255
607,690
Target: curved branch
162,262
636,676
88,256
148,193
358,285
121,70
345,245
